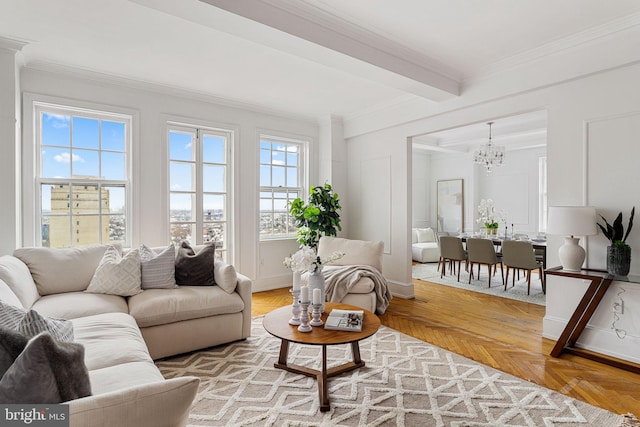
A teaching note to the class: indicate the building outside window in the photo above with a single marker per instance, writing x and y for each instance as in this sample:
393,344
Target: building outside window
199,196
282,177
82,176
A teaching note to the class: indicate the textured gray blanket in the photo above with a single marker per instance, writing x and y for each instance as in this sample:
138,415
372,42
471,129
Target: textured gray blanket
340,280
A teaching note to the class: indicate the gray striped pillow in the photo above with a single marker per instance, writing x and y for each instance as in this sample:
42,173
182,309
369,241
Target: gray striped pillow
31,323
158,270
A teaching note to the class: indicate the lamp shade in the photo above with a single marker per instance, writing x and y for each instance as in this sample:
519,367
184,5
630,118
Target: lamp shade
572,221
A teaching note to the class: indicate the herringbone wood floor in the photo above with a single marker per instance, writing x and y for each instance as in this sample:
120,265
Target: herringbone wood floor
498,332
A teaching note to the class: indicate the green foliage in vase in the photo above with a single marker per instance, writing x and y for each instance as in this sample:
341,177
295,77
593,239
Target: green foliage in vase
615,233
319,217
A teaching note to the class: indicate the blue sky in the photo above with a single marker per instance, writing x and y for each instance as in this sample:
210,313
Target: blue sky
182,170
81,146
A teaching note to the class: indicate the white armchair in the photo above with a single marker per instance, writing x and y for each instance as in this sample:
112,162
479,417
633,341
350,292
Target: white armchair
356,278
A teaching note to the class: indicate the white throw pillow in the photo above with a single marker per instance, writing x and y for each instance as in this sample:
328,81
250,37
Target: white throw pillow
426,235
225,276
116,275
158,270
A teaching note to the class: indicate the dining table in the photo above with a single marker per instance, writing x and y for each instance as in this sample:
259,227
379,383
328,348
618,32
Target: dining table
538,244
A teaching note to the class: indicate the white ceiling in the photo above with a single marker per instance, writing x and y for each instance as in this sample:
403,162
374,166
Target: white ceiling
308,58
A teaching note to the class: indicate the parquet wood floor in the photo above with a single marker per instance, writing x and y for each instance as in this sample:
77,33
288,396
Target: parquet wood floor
498,332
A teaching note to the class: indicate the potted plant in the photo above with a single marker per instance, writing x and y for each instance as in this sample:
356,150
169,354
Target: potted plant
619,253
319,217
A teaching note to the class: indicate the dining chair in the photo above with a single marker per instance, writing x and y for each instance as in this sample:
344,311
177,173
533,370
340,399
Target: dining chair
439,234
451,250
482,252
519,255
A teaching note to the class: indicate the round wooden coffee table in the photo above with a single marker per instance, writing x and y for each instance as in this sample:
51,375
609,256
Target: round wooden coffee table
277,324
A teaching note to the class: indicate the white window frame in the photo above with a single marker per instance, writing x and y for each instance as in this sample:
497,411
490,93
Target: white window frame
542,194
226,251
32,168
302,177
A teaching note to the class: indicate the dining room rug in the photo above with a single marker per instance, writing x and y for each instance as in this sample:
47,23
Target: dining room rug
428,272
406,382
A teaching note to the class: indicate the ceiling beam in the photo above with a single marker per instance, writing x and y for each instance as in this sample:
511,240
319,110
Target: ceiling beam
345,47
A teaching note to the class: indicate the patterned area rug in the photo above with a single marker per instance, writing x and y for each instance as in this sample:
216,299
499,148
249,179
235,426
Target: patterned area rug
429,272
405,382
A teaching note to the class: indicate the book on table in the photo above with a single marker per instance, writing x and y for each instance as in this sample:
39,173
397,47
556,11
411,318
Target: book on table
345,320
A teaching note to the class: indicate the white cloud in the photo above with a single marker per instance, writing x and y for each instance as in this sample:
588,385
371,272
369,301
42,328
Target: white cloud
66,158
58,120
176,187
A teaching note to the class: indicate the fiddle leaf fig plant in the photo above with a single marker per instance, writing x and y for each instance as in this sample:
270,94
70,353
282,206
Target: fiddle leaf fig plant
319,217
615,233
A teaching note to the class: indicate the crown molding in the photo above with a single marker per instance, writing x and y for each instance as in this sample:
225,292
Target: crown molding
12,44
591,35
158,88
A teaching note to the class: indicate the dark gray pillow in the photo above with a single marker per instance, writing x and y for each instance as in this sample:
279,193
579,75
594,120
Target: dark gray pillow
47,371
195,269
11,345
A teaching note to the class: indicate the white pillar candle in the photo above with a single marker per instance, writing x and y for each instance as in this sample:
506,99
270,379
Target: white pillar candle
317,296
304,294
296,280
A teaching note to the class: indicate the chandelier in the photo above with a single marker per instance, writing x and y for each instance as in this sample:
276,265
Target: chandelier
489,155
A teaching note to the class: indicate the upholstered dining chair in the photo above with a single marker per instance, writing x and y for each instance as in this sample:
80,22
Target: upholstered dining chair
520,255
439,234
451,250
482,252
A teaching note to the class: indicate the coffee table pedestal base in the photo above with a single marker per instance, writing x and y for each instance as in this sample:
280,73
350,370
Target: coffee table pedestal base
322,375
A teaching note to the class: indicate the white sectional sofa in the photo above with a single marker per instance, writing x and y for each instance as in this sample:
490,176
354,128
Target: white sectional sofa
122,335
424,245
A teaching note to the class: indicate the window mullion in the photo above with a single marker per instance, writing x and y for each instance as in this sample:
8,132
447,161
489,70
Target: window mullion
199,187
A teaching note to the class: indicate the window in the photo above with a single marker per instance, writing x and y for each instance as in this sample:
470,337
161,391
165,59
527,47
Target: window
281,181
542,194
199,168
82,176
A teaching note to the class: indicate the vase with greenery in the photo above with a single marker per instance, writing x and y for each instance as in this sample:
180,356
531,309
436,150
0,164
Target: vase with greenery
489,216
618,253
318,217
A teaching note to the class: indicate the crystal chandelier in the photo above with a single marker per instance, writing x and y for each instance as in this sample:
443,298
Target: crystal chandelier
489,155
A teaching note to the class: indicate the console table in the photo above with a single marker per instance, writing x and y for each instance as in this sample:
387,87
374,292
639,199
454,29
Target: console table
600,282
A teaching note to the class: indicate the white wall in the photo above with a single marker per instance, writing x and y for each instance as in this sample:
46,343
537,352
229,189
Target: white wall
421,194
261,261
513,186
574,108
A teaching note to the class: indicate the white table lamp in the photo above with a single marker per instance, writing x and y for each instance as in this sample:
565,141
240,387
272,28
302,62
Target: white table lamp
571,221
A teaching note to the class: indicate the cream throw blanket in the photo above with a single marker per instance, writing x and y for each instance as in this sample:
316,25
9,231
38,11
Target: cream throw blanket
340,280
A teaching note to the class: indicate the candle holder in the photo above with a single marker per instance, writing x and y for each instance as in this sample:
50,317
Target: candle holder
295,308
315,314
304,317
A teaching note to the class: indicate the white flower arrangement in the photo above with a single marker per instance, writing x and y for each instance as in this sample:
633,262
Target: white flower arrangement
488,214
306,259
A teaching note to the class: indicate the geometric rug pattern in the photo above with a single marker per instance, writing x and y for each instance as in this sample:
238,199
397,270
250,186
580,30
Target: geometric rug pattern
428,272
406,382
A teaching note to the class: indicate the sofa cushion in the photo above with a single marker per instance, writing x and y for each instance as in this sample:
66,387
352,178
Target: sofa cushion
7,296
225,276
110,339
46,371
71,305
61,269
195,269
157,307
17,276
31,323
357,252
117,275
124,375
158,269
